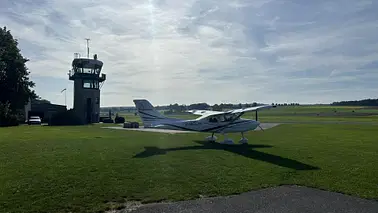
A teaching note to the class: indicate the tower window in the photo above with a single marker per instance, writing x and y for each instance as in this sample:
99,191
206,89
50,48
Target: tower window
91,84
86,84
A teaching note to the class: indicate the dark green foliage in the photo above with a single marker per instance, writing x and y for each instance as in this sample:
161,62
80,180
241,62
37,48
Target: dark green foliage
365,102
66,118
168,112
14,76
15,85
198,106
7,118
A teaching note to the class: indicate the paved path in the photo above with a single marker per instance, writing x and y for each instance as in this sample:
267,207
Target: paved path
283,199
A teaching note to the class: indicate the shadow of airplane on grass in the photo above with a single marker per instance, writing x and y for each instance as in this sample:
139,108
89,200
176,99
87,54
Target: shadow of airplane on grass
245,150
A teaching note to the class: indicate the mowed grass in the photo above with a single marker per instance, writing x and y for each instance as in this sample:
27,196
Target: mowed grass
82,169
318,113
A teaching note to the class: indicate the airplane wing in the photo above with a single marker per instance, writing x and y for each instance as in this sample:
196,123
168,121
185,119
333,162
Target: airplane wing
249,109
205,112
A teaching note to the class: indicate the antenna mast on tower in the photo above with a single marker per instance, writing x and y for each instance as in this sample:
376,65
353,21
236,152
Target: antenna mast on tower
87,47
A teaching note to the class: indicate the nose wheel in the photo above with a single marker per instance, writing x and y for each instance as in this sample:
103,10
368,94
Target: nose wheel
227,140
243,140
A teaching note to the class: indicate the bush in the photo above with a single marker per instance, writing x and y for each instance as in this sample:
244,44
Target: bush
7,118
10,120
168,112
65,118
119,120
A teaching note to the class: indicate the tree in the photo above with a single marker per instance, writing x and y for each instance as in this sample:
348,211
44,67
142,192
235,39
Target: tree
6,118
216,107
15,85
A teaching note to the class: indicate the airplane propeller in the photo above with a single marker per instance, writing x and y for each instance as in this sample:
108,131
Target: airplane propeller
256,117
261,128
256,120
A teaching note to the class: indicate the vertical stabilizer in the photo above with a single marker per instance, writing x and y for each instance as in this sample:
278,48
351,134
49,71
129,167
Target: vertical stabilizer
148,113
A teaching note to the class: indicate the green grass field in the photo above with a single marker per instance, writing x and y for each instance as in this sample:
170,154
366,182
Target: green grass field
83,169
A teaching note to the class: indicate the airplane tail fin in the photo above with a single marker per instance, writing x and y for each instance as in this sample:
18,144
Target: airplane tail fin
147,112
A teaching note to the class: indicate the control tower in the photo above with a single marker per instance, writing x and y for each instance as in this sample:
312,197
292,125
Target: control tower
85,73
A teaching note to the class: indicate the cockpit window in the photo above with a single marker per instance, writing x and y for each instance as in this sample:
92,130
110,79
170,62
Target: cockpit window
213,119
223,118
228,117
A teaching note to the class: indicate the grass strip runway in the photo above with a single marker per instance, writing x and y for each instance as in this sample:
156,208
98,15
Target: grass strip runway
82,169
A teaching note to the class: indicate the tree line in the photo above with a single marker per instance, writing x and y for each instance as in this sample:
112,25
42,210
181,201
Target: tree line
218,107
364,102
177,108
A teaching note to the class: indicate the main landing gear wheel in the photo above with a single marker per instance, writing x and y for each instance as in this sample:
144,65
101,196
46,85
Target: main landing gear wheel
211,138
227,140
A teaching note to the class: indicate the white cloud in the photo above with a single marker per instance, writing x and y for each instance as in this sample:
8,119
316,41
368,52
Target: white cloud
214,51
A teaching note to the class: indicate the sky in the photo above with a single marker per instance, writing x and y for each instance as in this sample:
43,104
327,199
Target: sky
214,51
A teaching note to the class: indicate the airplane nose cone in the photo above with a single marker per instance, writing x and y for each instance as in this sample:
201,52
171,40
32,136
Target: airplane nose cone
254,124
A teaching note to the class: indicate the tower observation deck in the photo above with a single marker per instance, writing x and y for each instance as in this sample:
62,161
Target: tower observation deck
88,80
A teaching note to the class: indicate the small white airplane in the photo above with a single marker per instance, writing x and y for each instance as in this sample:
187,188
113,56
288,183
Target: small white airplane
209,121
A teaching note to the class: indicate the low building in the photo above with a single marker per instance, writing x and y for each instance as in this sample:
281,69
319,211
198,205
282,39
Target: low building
43,109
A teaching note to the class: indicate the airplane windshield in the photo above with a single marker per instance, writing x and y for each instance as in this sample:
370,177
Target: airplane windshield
223,118
230,117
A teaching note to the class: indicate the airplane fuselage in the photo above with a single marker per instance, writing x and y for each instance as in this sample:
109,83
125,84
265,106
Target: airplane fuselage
239,125
210,121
